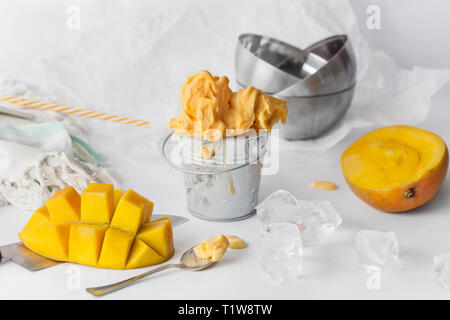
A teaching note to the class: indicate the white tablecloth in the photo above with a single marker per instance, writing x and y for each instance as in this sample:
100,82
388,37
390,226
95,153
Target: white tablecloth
329,272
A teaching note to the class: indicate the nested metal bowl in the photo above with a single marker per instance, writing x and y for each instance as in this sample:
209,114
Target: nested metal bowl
330,67
265,63
318,82
310,117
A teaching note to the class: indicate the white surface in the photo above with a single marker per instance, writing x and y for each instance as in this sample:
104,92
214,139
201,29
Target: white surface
329,272
421,26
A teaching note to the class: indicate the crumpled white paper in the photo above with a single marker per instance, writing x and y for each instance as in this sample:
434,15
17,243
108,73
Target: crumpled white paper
136,63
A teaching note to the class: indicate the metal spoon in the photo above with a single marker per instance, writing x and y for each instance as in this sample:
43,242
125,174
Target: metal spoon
189,261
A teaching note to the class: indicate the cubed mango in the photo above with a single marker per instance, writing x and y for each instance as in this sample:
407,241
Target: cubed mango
158,236
64,206
39,217
149,212
51,240
117,195
130,212
55,232
115,249
141,255
85,243
97,203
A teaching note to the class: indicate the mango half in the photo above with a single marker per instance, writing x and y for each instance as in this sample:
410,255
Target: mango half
101,228
396,168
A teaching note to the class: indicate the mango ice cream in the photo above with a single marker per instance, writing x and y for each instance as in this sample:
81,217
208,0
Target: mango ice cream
212,111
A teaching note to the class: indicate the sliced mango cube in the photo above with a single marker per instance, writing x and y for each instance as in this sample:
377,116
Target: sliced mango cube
106,237
141,255
130,212
115,249
85,243
117,195
97,203
51,241
39,217
149,212
64,206
158,235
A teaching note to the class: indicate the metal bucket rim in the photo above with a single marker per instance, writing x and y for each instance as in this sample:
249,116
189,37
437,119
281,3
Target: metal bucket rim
173,165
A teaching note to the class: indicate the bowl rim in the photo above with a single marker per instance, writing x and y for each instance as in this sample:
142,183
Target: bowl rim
307,50
260,36
351,87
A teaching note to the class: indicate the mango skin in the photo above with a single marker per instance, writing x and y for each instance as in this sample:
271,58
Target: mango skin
394,200
97,245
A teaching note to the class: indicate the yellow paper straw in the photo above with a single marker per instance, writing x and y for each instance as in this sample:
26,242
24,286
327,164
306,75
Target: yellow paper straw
40,105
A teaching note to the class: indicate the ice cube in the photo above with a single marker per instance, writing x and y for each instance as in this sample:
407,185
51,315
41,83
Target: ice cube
442,268
317,220
377,248
280,206
280,251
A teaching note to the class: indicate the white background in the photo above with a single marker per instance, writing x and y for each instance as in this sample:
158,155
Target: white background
413,32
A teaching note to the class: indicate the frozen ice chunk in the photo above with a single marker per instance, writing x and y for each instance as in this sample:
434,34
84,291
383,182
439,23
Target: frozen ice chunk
280,206
442,268
317,220
280,251
377,248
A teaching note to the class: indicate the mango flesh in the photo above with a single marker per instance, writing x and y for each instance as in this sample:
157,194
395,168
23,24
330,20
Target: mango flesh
40,217
99,244
142,255
396,168
97,203
85,243
117,195
131,212
158,233
115,249
64,206
50,241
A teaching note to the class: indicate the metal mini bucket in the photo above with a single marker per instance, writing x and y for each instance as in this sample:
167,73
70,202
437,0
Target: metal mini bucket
221,178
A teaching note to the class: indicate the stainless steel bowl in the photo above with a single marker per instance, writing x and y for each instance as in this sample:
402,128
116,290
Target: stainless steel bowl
267,64
330,67
309,117
317,83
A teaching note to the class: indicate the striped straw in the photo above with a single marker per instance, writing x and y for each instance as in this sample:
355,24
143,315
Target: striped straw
40,105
